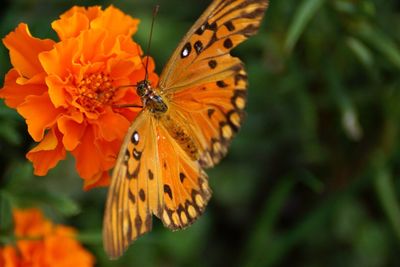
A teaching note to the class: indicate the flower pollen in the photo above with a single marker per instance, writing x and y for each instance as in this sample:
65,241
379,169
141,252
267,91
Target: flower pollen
95,91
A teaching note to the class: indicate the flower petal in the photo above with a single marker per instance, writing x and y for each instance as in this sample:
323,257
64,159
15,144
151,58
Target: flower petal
59,61
24,50
70,26
59,91
88,156
91,12
111,126
72,128
47,153
39,113
58,255
115,22
9,257
100,179
15,93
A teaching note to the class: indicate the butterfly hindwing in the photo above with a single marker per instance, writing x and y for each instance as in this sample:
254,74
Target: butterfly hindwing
186,190
214,112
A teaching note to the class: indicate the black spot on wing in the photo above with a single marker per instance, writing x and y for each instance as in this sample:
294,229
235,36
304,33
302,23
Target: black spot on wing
212,64
182,176
212,26
131,197
228,43
221,84
136,154
142,195
135,138
229,25
134,174
198,46
187,48
151,175
168,191
210,112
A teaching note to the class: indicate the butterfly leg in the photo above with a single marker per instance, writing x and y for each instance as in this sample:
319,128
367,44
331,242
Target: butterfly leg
127,106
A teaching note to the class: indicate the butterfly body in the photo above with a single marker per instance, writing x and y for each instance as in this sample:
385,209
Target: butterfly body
186,125
157,106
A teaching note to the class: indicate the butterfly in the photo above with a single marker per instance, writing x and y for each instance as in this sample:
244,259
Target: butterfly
186,125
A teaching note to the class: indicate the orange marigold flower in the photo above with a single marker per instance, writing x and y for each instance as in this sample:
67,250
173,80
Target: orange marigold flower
68,91
40,243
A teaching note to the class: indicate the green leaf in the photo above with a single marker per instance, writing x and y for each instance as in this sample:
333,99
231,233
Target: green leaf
381,42
5,213
61,203
385,189
362,52
262,235
304,14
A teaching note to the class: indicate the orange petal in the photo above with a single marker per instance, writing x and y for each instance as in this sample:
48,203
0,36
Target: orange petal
121,68
14,93
111,126
115,22
99,180
9,257
59,61
70,253
29,222
91,12
47,153
24,50
134,51
88,156
72,128
71,26
92,45
58,91
39,113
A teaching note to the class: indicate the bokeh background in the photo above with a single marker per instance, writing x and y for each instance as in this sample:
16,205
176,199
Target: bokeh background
312,179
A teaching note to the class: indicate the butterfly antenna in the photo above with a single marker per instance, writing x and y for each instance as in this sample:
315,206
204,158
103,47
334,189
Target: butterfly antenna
155,11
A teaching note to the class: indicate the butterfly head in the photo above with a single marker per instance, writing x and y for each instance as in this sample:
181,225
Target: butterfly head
153,101
143,88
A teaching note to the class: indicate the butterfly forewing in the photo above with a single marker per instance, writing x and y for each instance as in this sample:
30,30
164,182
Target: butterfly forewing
136,187
204,51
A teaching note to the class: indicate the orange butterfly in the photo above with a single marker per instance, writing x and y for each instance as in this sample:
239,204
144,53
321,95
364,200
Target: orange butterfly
186,124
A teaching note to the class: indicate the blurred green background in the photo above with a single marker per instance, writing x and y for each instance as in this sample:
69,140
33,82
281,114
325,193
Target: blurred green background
312,177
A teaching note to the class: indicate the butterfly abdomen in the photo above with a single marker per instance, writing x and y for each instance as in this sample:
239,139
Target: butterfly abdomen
181,135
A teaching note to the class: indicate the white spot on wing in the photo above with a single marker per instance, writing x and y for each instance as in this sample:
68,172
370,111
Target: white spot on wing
185,52
136,137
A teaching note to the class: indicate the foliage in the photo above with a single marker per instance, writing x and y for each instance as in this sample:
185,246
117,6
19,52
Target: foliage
310,180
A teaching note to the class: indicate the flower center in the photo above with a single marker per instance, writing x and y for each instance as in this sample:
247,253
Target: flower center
95,91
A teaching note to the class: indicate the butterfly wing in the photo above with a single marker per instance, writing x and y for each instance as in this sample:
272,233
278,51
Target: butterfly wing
204,51
206,85
153,175
135,192
186,190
